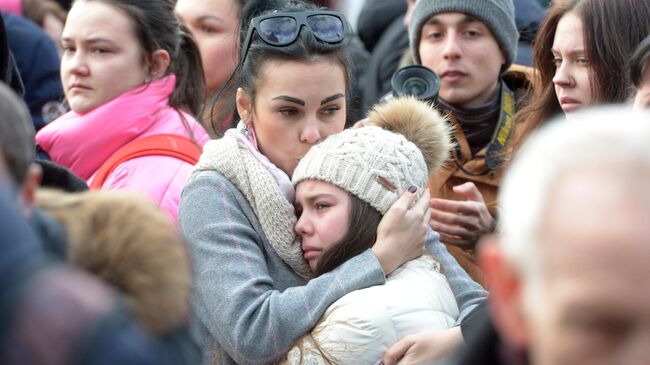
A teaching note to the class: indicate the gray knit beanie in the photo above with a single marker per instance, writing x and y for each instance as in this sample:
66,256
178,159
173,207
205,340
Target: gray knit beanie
405,140
498,15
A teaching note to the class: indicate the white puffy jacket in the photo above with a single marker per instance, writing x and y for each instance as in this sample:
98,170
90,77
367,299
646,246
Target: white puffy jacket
362,325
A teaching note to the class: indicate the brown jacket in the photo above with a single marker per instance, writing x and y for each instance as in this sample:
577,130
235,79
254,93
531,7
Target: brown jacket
464,167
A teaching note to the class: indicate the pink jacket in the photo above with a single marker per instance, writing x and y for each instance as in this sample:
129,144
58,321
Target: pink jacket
83,142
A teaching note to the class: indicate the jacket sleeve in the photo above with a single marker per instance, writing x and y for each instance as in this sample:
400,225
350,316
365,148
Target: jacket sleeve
241,306
468,293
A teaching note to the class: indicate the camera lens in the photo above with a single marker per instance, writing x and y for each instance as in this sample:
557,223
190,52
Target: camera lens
416,81
414,86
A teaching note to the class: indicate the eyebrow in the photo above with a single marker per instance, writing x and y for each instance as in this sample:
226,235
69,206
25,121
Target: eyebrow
90,40
571,53
212,17
289,99
313,198
329,99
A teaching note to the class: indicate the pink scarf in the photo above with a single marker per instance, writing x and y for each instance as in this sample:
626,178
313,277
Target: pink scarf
82,142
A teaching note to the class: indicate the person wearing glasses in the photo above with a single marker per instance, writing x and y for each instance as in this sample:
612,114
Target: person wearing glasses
129,72
252,294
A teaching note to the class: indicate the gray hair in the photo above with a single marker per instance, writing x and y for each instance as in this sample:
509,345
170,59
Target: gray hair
609,136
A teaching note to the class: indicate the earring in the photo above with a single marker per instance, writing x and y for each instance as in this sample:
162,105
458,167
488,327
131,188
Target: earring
249,134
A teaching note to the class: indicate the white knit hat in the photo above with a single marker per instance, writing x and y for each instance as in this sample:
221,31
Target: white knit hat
405,140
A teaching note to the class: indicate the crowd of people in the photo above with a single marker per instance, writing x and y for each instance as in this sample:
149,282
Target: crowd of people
242,182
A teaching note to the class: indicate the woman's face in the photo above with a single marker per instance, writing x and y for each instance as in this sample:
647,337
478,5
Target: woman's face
296,105
214,25
324,216
102,58
572,70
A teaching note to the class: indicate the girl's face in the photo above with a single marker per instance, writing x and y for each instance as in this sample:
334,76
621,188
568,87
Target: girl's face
101,58
213,24
324,216
296,105
572,70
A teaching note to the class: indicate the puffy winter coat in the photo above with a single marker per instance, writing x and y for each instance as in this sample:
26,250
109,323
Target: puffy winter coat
362,325
84,142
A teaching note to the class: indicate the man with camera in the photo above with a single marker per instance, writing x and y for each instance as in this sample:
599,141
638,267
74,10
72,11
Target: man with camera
471,45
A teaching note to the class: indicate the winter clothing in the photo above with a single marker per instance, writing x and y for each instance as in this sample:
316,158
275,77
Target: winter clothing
378,165
9,73
125,240
58,177
529,15
38,62
498,16
362,325
249,305
467,166
12,6
375,17
82,317
233,157
83,142
387,57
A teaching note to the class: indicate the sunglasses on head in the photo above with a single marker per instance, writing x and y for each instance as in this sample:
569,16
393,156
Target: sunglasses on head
283,28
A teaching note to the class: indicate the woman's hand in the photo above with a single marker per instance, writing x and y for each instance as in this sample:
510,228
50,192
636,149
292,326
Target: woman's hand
423,347
402,232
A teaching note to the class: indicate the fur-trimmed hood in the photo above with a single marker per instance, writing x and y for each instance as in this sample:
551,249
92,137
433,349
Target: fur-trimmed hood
126,241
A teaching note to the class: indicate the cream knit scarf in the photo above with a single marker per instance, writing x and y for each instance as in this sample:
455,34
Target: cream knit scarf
233,159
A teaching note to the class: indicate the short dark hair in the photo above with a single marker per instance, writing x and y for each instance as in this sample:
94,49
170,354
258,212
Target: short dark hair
639,61
360,236
16,134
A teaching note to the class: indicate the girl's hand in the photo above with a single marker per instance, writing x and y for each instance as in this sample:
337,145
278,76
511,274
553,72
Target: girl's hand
402,232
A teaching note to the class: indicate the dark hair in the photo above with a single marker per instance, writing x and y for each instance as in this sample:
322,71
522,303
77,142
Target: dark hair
639,61
16,134
611,30
361,235
305,49
157,27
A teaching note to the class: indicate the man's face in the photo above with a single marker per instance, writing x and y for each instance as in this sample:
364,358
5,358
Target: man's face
466,56
592,302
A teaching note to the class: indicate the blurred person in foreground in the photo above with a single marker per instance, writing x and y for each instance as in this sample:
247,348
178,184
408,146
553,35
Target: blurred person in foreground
55,314
568,267
570,263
